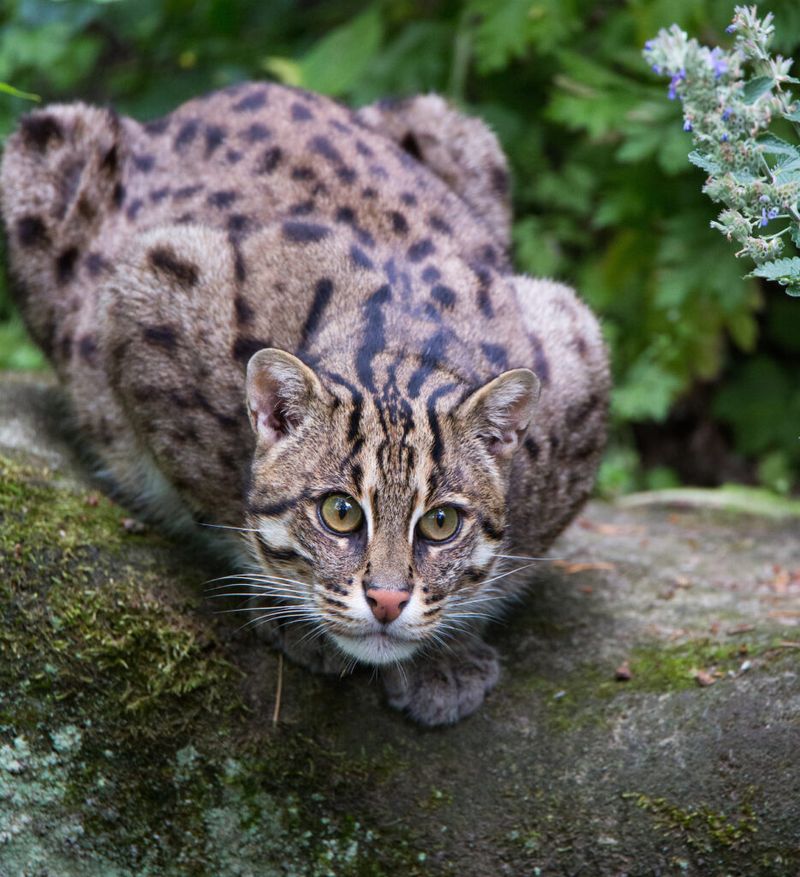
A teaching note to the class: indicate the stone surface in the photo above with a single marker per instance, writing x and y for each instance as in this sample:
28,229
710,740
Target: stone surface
139,733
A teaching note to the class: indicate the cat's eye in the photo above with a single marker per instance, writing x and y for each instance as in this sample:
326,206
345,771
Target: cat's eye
341,513
439,525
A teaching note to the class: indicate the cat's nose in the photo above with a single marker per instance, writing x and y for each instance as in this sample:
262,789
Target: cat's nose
386,605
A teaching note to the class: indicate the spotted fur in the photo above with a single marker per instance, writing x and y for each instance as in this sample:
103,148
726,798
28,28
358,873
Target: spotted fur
266,297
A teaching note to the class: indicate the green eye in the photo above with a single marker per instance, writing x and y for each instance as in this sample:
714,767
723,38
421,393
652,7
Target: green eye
440,524
341,513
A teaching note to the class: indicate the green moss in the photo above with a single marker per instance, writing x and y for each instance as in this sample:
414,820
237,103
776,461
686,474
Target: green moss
703,829
658,668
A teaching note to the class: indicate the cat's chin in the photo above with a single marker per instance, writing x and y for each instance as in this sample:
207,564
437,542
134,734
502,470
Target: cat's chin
376,648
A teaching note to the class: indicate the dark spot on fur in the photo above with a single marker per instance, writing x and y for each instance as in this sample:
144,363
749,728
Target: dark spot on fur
541,366
233,156
86,209
579,342
340,126
399,222
222,199
38,130
304,232
379,171
244,313
430,274
238,223
363,149
496,354
444,295
254,101
187,191
65,265
322,295
245,347
87,349
301,113
484,282
186,134
303,172
302,208
410,145
215,134
438,224
31,232
134,207
157,126
369,193
360,259
158,195
499,180
322,146
346,215
420,250
185,218
165,260
144,163
488,254
269,160
256,133
347,175
409,199
531,447
160,336
118,195
239,266
96,264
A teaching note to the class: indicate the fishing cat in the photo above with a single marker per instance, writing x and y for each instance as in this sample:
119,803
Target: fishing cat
277,314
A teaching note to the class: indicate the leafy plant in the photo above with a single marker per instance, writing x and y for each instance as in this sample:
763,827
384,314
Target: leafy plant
754,173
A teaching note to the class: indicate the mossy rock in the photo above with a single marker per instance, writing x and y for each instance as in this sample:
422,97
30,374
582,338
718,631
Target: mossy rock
139,733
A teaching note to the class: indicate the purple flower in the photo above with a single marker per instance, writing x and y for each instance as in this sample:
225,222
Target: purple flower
731,28
726,114
649,45
687,125
772,212
673,83
718,64
724,138
656,69
764,218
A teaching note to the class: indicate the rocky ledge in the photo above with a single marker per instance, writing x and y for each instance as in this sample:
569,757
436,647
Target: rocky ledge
647,721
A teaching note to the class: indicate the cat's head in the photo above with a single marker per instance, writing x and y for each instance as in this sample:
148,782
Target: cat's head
379,516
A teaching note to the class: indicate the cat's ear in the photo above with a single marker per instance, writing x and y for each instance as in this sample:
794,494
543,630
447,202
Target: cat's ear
500,411
281,391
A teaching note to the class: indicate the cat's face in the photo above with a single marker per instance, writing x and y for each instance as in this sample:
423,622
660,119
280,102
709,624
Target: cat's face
379,518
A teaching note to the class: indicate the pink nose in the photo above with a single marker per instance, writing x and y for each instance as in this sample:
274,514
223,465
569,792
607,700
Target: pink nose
386,605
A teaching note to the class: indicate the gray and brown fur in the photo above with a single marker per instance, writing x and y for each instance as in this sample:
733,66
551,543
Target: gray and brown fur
152,261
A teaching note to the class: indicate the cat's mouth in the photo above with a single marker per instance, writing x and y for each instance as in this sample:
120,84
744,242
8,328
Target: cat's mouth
380,647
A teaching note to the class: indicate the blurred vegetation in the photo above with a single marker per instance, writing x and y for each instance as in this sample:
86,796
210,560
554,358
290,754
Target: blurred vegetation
604,195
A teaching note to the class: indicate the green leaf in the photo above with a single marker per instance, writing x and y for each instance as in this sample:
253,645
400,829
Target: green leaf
705,162
757,88
338,60
772,145
793,116
15,92
784,271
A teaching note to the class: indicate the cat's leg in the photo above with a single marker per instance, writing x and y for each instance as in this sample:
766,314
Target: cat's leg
460,149
442,689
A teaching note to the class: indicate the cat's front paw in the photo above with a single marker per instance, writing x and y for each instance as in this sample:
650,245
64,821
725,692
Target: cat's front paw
441,689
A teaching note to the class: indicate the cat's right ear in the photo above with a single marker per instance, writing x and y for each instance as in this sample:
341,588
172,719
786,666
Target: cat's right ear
281,391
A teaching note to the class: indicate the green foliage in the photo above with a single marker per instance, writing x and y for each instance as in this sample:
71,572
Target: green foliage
604,196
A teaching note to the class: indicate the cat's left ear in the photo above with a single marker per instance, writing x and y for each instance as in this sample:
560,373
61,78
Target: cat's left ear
500,411
281,392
